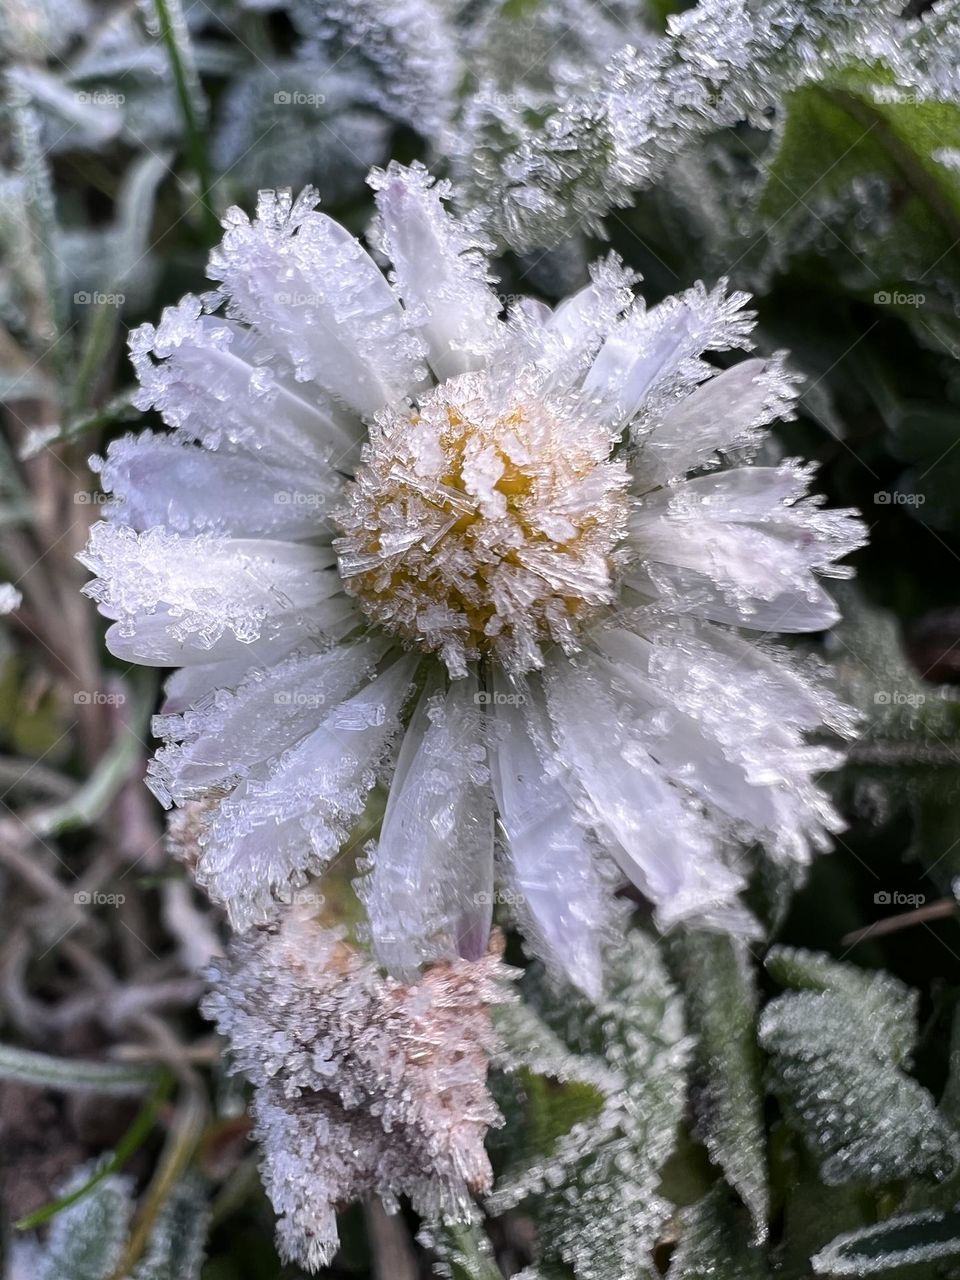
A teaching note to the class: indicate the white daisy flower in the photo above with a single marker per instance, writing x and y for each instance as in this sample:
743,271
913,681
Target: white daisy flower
523,557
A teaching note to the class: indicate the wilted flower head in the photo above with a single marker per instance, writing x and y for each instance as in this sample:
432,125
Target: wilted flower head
364,1086
540,530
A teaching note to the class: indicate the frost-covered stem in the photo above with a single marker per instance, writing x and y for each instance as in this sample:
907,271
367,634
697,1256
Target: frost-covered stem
173,32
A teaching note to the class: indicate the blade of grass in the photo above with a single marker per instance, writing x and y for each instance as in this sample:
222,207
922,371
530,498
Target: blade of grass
132,1140
43,1069
173,32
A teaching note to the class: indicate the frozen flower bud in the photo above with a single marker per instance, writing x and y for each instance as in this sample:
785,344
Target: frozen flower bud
364,1086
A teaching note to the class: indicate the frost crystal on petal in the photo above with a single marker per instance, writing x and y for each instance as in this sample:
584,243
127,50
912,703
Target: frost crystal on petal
543,517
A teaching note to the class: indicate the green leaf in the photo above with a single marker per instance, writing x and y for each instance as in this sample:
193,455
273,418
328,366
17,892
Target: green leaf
175,34
116,1079
860,139
839,1047
595,1198
714,1242
898,1242
721,1003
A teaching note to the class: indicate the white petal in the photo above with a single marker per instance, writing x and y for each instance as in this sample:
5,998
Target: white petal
429,894
562,902
270,834
729,721
725,413
162,480
743,545
315,295
210,378
204,588
156,640
670,850
441,270
273,708
653,356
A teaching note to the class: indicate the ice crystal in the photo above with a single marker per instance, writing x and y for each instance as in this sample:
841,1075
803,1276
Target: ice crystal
364,1086
720,62
543,522
840,1049
902,1241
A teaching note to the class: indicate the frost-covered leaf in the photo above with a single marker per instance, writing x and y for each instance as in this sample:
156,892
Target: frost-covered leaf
906,756
714,1242
840,1047
175,1250
595,1199
721,1001
901,1241
719,63
288,123
86,1239
867,140
404,52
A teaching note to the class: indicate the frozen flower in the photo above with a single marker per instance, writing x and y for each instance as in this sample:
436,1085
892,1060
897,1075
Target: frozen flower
523,558
364,1086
